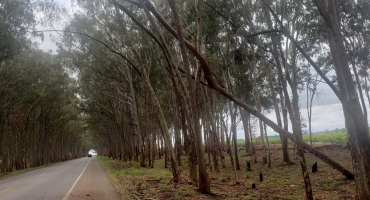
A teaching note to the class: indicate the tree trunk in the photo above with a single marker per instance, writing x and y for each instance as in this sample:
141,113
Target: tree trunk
135,120
359,89
245,119
158,110
284,140
286,159
234,138
293,109
213,130
229,150
204,182
356,124
268,147
176,127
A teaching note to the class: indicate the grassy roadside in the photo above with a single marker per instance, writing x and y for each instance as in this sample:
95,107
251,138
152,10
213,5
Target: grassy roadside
280,181
134,182
128,178
334,137
107,165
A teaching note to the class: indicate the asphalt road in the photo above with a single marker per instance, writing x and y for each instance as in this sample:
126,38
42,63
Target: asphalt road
82,178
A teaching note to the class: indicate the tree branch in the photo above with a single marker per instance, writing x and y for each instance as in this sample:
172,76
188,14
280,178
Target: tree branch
317,68
98,41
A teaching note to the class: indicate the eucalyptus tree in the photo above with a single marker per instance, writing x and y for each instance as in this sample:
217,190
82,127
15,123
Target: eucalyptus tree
355,22
38,106
355,120
18,23
139,57
16,19
106,100
356,123
114,75
292,77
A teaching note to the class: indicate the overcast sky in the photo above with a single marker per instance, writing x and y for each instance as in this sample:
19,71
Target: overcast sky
327,112
48,44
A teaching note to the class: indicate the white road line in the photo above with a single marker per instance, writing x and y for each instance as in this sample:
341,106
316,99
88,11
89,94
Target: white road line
6,189
74,184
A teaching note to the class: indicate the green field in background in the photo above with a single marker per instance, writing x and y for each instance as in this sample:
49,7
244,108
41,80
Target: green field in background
332,137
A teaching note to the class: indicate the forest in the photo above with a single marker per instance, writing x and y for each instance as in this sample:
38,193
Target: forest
149,80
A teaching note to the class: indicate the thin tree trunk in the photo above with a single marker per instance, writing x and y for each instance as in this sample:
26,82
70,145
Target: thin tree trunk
268,146
176,127
251,136
263,147
286,159
204,181
245,119
234,138
135,119
213,132
158,109
293,109
359,89
309,109
229,149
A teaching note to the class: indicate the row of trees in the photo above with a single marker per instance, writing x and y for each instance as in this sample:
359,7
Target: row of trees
156,72
40,121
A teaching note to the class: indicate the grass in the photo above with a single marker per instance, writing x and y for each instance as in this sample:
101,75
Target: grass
116,173
129,178
330,183
333,137
280,181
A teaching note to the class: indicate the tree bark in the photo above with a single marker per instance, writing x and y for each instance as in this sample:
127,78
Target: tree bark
234,138
245,119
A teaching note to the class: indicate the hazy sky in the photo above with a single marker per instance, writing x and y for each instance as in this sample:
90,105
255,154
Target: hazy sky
327,110
327,113
48,44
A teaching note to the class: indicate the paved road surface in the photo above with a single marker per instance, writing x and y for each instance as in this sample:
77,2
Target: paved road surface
82,178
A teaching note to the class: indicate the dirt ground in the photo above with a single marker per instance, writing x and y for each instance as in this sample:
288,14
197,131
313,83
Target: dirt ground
279,182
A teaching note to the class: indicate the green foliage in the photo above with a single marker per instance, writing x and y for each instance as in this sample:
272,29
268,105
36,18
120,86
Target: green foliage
16,19
330,183
39,109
